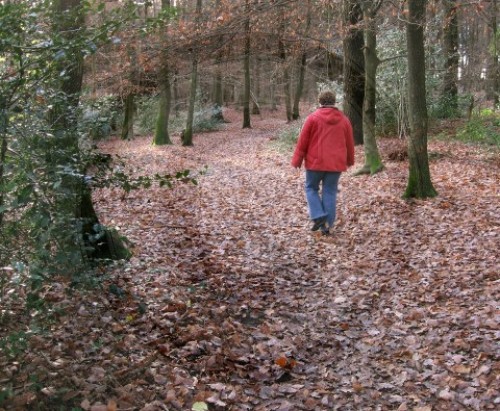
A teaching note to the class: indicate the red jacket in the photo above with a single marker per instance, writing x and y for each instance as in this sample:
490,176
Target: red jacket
325,141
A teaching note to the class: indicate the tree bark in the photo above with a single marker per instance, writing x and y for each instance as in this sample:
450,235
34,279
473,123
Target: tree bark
302,67
450,81
373,161
162,136
187,134
161,133
300,87
494,71
3,150
128,119
256,99
218,94
69,19
419,180
246,68
354,71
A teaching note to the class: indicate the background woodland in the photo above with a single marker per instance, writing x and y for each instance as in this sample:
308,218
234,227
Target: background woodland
154,244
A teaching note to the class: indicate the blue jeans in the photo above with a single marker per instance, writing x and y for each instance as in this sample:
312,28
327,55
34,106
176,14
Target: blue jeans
324,203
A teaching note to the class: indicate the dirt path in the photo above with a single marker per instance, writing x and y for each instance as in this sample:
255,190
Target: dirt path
251,311
231,303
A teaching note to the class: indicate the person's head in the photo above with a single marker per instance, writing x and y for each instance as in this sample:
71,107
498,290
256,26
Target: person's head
327,98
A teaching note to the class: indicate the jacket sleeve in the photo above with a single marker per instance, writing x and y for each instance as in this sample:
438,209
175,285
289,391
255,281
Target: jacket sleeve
302,144
349,143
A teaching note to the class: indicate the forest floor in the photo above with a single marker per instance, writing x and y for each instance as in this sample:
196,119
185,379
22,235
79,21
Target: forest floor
230,302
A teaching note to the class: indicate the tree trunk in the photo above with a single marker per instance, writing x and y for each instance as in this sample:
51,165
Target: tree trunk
286,90
175,87
494,71
302,67
450,89
187,134
354,72
255,105
373,161
128,119
300,87
286,82
419,180
64,123
246,68
161,133
217,114
272,94
3,151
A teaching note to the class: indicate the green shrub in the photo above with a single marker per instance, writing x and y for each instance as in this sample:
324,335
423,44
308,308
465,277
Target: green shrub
482,129
204,120
286,139
99,118
147,114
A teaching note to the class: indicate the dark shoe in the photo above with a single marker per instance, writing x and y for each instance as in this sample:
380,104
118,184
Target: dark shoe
325,232
318,223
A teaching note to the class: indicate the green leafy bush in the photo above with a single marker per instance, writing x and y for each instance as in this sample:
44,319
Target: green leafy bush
100,118
147,114
483,128
287,138
204,120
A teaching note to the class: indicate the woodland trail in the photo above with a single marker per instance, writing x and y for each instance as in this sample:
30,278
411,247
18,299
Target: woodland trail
251,311
231,303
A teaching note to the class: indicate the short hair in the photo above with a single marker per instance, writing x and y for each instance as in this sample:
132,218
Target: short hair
327,98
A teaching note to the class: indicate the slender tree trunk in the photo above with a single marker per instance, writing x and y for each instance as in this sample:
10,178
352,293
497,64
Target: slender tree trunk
272,94
300,87
217,114
286,81
162,136
246,68
128,119
3,151
176,92
450,89
256,99
218,94
161,133
187,135
494,66
373,161
354,72
302,67
419,180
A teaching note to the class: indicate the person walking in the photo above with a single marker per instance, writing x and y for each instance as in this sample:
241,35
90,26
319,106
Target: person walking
326,146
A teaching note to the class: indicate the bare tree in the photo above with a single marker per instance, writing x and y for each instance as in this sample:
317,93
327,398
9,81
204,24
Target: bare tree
246,67
419,180
161,133
373,161
354,71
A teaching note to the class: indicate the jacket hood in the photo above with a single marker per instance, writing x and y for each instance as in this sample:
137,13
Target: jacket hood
330,115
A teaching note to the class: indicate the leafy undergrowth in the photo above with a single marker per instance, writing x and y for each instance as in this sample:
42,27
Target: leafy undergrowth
231,303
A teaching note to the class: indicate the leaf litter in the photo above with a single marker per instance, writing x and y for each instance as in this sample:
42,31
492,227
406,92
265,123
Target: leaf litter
231,303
